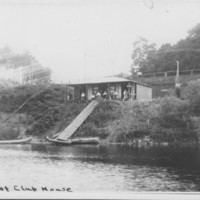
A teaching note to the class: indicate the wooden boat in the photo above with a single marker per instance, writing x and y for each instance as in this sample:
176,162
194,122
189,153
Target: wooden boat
61,142
92,140
21,141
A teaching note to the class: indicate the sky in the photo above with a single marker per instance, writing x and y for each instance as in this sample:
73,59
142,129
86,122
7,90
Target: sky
80,39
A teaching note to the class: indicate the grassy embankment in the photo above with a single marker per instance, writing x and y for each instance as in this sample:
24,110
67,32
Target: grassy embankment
162,120
133,122
41,115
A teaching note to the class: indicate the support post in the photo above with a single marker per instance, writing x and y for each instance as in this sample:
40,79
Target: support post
135,92
109,91
129,90
177,83
86,91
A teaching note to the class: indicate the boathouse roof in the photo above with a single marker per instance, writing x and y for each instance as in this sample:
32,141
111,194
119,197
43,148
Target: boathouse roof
105,80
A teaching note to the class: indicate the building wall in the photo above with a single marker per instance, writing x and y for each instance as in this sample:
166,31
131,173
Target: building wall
133,92
144,92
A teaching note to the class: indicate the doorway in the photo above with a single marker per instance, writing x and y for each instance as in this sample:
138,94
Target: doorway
124,87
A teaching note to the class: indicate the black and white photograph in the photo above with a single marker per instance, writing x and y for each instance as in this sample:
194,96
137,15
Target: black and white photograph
100,99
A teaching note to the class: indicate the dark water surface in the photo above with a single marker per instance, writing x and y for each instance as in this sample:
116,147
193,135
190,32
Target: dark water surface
94,168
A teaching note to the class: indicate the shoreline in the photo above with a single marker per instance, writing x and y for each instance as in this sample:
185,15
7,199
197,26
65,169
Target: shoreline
163,121
105,143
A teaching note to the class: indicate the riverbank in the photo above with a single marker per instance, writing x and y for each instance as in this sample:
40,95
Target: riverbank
139,123
160,121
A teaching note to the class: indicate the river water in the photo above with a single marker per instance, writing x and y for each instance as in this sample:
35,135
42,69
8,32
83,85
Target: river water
100,168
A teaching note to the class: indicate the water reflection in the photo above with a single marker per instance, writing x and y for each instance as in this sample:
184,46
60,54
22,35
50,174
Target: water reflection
85,167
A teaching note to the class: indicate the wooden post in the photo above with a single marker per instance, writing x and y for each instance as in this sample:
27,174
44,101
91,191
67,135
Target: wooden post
177,83
86,91
65,93
109,91
135,92
129,90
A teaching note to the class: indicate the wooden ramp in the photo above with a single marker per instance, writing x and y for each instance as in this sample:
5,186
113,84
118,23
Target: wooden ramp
76,123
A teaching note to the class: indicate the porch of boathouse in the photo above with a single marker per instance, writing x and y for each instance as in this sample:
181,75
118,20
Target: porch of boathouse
113,87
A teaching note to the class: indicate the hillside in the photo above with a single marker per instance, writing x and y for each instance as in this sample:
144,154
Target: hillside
42,112
134,122
160,120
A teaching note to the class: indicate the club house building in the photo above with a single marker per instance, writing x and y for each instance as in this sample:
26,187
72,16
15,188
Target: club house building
112,86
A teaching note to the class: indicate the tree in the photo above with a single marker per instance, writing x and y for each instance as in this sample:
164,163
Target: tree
142,51
122,75
194,32
148,59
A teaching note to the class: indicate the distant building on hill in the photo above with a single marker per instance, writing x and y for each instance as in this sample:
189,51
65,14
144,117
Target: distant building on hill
22,68
114,87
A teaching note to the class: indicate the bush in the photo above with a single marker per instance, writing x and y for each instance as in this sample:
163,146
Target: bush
87,130
105,111
8,133
173,135
173,122
173,112
192,93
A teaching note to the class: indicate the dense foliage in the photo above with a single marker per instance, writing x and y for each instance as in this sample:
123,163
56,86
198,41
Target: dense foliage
96,124
192,93
8,132
166,119
163,120
148,59
173,122
43,111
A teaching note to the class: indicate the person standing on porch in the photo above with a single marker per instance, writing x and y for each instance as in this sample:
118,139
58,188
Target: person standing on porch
125,95
115,94
104,95
98,94
93,96
82,96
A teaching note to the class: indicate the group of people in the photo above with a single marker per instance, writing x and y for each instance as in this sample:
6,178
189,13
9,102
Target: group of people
113,95
105,95
96,95
69,97
127,95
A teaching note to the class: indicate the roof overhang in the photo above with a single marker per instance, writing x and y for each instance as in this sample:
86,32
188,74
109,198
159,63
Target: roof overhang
105,80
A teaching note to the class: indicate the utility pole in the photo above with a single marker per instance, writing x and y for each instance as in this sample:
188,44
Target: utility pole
177,83
177,73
